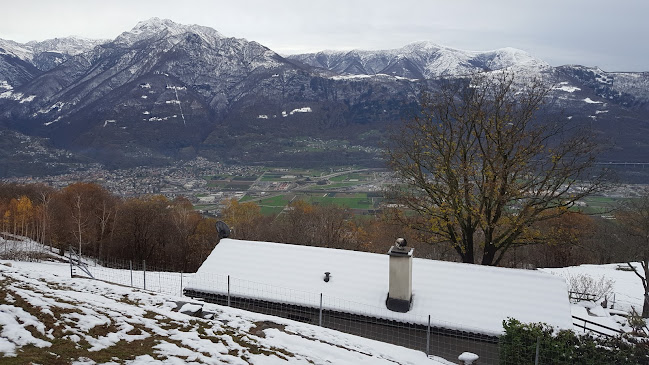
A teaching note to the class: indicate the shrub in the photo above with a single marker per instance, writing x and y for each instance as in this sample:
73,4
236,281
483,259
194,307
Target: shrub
586,284
518,346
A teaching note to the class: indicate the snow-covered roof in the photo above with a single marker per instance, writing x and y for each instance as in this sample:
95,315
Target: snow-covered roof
456,295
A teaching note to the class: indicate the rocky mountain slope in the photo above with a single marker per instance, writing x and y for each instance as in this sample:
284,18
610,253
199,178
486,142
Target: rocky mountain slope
165,90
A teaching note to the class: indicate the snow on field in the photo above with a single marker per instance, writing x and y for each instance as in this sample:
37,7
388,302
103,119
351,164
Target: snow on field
627,287
626,293
591,101
46,316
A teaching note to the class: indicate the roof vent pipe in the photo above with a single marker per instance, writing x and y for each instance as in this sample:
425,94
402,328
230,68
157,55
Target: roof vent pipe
400,285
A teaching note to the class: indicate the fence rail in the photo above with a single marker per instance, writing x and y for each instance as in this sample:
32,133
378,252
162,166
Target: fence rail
594,327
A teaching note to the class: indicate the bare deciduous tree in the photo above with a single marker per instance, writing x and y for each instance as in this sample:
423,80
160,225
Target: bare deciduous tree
635,217
480,165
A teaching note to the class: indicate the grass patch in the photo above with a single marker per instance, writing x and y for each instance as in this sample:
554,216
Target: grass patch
353,201
271,211
70,343
275,201
600,204
335,186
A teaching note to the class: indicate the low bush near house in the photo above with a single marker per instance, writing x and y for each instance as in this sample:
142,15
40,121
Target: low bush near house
520,342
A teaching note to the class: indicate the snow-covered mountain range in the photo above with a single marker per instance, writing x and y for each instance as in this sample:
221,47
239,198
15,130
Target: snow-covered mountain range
166,90
422,60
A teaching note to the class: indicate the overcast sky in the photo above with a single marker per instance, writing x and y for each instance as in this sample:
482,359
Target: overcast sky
611,34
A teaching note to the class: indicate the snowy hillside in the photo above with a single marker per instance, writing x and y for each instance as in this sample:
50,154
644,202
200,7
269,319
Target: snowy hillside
47,317
68,46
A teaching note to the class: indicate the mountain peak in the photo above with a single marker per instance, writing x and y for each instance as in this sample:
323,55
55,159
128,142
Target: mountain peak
424,45
156,27
155,24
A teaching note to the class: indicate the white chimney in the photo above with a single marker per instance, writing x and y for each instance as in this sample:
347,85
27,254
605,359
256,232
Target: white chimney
400,290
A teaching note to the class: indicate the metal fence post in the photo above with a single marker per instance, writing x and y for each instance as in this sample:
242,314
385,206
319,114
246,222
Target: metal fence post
181,283
538,345
70,258
320,318
144,272
228,290
130,265
428,337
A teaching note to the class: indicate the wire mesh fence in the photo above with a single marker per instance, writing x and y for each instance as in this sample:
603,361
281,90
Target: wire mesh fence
136,274
14,247
434,336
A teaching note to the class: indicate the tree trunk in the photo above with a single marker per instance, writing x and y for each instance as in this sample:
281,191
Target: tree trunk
488,255
645,307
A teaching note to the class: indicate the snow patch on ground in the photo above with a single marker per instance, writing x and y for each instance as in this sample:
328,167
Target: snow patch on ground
20,97
627,287
52,122
105,315
285,114
4,85
306,109
14,322
590,101
27,99
58,106
567,88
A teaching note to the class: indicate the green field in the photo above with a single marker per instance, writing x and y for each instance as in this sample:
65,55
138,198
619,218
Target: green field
246,198
276,201
245,178
347,177
334,186
275,204
271,210
352,201
601,204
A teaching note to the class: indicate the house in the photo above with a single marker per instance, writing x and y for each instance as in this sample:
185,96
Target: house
380,294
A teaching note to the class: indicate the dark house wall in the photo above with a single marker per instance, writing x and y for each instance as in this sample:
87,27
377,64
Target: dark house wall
442,342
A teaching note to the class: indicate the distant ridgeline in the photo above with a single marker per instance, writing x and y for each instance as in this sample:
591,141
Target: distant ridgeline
165,91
